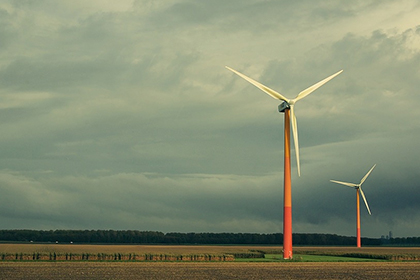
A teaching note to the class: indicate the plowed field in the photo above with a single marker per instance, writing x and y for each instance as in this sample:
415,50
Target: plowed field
231,270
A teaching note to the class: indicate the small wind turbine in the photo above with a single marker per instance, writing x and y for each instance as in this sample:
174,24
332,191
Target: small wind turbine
289,113
359,190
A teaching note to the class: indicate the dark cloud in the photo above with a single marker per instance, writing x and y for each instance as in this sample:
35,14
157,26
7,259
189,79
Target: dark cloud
105,110
145,201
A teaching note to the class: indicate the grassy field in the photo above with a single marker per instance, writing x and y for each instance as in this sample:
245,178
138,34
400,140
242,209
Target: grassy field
377,253
318,258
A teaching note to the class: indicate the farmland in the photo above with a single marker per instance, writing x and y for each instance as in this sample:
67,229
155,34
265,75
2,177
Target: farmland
309,263
385,253
180,249
156,249
207,270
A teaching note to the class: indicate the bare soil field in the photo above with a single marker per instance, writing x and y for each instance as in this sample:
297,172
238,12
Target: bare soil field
208,270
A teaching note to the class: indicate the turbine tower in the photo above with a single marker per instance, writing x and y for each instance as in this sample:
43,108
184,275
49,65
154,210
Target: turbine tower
287,107
359,191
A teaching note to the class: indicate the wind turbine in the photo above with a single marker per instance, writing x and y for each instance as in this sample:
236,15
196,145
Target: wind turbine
289,114
359,191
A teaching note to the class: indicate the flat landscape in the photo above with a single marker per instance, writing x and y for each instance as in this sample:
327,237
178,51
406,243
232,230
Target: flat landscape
301,268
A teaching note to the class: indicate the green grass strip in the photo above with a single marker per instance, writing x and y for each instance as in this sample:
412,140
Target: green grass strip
306,258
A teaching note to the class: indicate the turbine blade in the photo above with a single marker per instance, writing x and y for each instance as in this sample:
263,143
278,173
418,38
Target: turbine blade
262,87
295,136
344,183
310,89
367,174
364,198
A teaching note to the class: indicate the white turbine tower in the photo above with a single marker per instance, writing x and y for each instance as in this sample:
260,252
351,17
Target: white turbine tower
359,190
289,113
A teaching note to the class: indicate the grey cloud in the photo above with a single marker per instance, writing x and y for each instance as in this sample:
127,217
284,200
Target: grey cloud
141,199
111,109
6,29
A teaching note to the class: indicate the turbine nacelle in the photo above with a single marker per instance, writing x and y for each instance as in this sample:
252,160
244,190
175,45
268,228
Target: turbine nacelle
283,106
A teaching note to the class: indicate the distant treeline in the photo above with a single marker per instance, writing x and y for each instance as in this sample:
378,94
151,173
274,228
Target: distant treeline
155,237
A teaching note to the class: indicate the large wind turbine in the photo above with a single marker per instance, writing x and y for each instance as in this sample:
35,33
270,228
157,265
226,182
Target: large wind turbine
289,113
359,191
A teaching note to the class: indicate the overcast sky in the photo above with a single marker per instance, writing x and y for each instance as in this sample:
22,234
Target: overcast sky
121,115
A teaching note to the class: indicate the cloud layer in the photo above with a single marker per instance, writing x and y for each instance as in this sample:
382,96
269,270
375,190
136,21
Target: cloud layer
122,115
